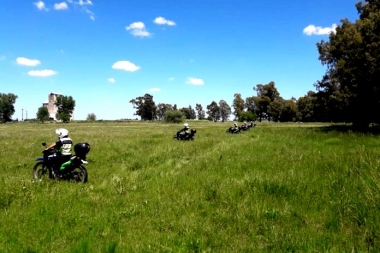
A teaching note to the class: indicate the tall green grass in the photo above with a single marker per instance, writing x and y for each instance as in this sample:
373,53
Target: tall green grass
276,188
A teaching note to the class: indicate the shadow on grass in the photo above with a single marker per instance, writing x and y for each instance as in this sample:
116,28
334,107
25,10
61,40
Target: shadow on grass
348,128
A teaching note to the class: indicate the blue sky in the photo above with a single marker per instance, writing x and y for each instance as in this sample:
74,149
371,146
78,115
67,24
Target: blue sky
105,53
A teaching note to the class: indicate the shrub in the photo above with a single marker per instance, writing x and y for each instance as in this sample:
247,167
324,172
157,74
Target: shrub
174,116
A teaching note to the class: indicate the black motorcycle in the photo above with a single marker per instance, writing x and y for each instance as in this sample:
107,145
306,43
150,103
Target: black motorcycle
244,128
232,130
75,172
181,136
250,125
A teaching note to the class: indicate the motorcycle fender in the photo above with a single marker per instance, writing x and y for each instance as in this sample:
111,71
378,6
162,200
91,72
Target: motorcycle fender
40,159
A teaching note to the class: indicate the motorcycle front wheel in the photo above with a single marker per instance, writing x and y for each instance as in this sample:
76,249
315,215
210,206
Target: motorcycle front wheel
40,170
79,174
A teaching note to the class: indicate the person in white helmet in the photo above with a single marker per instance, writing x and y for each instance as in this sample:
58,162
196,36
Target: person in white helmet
185,131
63,148
235,128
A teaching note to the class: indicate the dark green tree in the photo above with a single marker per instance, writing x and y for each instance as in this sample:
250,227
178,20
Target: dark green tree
276,108
289,111
224,110
66,106
352,57
43,114
266,94
193,115
201,113
145,107
91,117
213,111
306,107
188,112
162,109
7,106
238,105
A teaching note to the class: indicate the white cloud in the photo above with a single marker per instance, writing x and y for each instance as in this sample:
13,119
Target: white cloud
125,65
40,5
154,89
61,6
27,62
318,30
84,6
138,29
86,2
111,80
42,73
90,14
195,81
163,21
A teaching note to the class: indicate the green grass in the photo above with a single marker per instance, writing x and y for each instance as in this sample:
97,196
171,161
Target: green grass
276,188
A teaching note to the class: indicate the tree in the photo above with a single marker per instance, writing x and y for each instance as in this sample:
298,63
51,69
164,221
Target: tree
266,94
193,115
352,57
188,112
224,110
247,116
251,105
201,113
162,109
213,111
174,116
66,105
145,107
306,105
91,117
276,108
238,105
289,112
43,114
7,106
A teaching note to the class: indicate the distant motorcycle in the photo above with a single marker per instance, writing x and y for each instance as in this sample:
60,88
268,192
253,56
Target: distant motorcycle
181,136
244,128
250,125
76,172
232,130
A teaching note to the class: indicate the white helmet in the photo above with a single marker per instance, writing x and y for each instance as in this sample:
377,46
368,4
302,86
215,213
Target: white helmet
186,125
62,132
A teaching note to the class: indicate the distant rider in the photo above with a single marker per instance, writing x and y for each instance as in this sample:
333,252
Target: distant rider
63,147
244,126
235,128
185,131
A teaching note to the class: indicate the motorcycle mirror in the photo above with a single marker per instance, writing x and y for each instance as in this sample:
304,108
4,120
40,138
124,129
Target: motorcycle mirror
43,144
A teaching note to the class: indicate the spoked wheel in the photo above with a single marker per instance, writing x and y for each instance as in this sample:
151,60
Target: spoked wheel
79,175
40,170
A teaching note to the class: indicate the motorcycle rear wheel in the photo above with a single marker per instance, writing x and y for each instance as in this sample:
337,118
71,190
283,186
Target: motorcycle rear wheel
79,174
40,170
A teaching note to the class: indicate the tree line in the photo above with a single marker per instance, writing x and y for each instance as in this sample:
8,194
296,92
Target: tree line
267,104
348,92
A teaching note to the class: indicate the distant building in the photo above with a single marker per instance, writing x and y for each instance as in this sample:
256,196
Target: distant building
52,108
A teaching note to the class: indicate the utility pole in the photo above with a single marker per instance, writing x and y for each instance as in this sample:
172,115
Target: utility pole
22,114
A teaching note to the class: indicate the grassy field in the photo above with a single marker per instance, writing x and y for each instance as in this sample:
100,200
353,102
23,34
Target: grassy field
276,188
